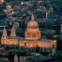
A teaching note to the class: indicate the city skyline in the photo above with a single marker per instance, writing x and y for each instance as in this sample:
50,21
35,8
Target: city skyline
30,30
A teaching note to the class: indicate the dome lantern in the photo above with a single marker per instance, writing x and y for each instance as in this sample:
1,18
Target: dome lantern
32,17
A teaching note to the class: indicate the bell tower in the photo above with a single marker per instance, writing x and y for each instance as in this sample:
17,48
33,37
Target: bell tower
13,32
4,34
15,58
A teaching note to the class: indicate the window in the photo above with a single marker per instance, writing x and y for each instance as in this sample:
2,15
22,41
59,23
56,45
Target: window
3,36
28,34
34,35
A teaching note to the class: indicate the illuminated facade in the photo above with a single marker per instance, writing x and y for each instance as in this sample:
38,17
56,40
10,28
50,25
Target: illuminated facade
32,37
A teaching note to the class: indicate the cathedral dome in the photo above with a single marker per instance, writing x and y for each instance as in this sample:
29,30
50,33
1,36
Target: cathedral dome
32,23
32,32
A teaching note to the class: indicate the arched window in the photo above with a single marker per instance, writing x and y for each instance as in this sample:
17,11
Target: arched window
28,34
34,35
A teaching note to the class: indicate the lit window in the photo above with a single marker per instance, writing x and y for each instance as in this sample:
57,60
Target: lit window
33,35
28,35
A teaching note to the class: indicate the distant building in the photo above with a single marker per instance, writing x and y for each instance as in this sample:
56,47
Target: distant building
2,55
32,38
15,58
9,11
2,1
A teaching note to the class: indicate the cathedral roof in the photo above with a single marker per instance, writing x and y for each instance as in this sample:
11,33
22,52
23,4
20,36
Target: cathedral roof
20,38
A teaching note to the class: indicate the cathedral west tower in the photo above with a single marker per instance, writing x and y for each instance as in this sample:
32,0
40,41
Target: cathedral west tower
4,35
13,32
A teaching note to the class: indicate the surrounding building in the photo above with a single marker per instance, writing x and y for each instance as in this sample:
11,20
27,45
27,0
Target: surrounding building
32,38
15,58
3,55
9,11
2,1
